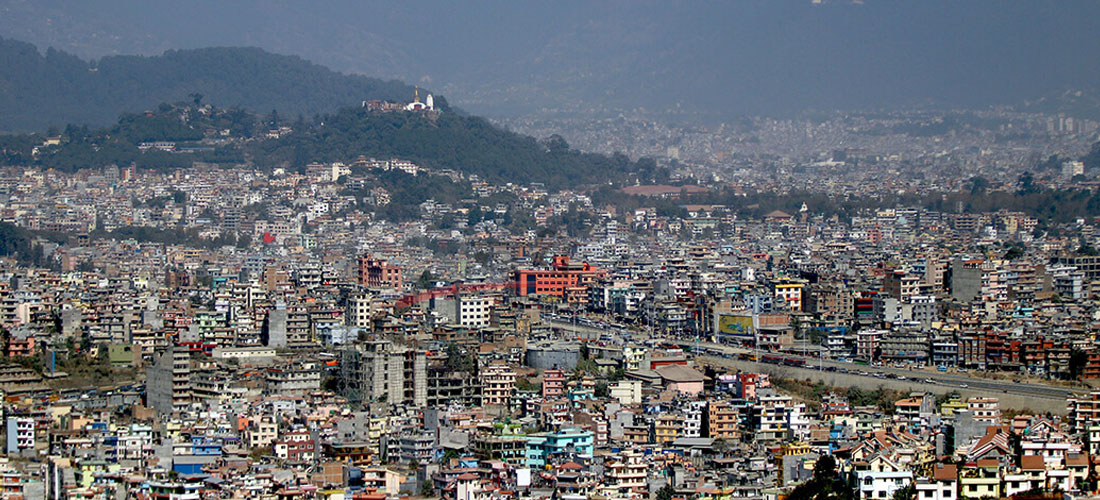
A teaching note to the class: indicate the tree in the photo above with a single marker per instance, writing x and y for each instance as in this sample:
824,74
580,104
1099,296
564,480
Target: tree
826,483
450,454
666,492
1026,184
905,493
825,467
425,281
1077,361
978,185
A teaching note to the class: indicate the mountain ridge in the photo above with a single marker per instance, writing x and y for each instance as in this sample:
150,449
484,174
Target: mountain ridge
54,88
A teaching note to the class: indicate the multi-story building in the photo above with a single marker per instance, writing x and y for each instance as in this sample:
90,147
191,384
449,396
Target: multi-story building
721,421
498,381
565,443
377,273
565,279
942,485
20,434
474,311
382,371
168,381
626,473
1084,412
553,384
788,294
509,449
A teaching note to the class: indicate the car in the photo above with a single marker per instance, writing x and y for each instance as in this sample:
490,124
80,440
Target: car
902,377
963,386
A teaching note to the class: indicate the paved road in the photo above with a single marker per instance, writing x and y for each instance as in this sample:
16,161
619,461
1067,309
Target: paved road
1011,399
954,380
878,375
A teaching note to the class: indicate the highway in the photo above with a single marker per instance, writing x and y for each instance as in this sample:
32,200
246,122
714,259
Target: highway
1035,396
1008,398
992,387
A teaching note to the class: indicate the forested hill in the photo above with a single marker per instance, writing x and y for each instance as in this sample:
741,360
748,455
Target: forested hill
451,141
57,88
231,137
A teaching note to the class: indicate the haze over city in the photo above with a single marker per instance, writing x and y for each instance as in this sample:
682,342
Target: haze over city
488,250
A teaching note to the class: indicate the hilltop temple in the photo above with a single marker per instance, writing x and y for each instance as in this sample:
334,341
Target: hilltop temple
416,105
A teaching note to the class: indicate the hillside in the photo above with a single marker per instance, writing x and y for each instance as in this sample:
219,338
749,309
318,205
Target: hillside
452,141
56,88
234,136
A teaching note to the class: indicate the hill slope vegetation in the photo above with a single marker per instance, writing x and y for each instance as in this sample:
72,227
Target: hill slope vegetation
56,88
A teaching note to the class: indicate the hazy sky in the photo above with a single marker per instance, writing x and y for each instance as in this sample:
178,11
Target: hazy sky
717,58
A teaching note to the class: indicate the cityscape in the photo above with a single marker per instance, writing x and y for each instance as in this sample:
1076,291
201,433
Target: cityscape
399,299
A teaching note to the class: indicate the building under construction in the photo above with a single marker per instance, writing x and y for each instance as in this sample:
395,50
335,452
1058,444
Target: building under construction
378,370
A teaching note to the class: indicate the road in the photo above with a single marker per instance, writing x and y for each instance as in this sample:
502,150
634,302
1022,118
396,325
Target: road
1020,400
949,380
1013,394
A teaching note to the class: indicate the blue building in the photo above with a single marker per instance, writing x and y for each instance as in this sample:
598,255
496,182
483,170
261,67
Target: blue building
542,447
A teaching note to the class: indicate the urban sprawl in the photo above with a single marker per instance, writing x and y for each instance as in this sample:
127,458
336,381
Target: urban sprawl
263,332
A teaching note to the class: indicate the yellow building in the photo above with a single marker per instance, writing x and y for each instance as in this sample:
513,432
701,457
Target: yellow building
981,480
668,428
951,406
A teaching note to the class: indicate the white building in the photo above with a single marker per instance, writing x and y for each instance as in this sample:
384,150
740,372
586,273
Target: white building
474,310
20,434
872,484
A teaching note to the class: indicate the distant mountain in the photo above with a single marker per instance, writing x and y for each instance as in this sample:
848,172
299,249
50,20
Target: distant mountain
56,88
676,60
1079,103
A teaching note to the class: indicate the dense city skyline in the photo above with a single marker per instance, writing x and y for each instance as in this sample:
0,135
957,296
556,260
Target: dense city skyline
612,251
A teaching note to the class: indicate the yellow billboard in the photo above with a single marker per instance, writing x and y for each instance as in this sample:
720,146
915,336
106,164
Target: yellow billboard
734,324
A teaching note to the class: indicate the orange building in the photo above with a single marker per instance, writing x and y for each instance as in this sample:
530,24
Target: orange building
377,273
567,280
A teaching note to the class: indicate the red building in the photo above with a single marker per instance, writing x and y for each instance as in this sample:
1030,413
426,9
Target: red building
553,384
567,280
377,273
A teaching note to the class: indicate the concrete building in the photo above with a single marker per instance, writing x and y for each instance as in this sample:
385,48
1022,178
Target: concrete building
553,384
274,329
966,279
382,371
377,273
498,381
474,311
553,355
168,381
567,280
20,434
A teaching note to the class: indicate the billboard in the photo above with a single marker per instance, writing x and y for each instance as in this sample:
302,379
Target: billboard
735,324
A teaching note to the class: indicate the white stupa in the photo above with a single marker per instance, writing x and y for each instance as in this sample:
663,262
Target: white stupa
416,105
